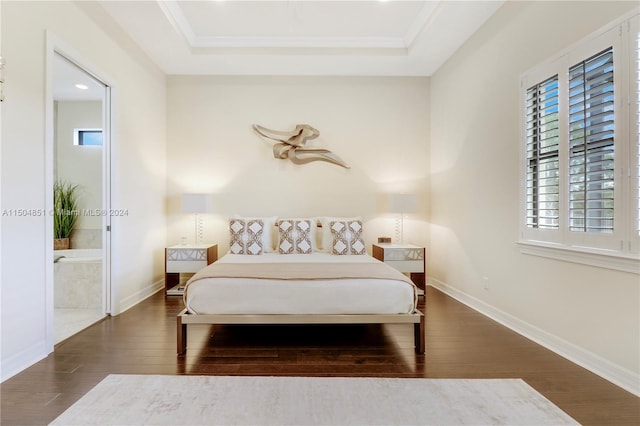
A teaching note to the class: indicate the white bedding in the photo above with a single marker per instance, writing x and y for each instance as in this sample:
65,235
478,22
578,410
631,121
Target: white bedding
264,296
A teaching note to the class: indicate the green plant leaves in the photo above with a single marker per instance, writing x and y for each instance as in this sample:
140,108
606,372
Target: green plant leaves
65,208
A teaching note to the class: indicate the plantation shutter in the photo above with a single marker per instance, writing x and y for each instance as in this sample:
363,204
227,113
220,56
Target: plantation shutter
591,144
637,88
542,135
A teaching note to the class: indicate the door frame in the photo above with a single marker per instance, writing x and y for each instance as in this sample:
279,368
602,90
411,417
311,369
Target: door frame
55,45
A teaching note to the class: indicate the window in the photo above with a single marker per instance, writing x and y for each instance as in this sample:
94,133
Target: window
87,137
635,73
591,144
581,149
543,168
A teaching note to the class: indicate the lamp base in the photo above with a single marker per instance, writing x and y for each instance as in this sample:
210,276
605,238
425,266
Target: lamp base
400,229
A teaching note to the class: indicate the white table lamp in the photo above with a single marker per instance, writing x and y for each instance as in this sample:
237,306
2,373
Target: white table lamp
403,204
197,203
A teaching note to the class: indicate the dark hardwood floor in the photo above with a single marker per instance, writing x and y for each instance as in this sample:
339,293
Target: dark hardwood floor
461,343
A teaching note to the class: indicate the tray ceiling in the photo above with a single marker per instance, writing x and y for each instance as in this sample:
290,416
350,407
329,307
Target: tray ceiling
299,37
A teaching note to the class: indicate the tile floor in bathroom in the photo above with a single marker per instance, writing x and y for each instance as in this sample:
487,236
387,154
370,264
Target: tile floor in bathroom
69,321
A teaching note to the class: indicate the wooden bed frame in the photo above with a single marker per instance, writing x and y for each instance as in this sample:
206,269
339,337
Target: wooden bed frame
416,318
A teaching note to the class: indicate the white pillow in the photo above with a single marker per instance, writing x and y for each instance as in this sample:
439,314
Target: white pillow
327,238
268,240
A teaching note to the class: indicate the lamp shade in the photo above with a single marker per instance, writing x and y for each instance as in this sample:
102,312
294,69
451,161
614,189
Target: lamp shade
196,203
403,203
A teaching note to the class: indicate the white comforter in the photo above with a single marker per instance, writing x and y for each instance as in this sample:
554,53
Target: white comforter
265,296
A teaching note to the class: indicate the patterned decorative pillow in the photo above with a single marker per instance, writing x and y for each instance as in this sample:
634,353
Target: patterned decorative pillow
246,236
294,236
269,236
326,238
347,237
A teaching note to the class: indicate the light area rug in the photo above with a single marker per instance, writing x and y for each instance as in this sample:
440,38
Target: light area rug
222,400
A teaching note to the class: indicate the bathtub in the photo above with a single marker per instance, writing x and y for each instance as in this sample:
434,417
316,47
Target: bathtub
77,278
78,256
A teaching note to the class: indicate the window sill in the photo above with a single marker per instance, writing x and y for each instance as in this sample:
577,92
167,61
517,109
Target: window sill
598,258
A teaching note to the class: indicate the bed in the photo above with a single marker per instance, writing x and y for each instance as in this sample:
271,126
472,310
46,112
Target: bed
302,287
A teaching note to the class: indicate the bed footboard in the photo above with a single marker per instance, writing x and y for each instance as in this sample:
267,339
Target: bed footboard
416,318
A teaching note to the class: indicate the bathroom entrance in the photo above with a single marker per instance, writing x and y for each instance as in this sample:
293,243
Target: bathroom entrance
80,221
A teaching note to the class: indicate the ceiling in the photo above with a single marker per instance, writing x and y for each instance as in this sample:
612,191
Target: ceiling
66,79
300,37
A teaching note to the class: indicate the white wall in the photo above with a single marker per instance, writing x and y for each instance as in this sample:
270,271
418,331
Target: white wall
77,164
138,164
592,314
379,126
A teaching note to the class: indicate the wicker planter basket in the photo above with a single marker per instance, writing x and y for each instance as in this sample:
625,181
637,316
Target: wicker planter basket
61,244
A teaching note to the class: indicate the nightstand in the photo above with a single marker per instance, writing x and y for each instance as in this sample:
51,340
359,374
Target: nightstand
185,258
406,258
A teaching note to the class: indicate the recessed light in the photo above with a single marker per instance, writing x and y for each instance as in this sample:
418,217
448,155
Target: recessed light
82,86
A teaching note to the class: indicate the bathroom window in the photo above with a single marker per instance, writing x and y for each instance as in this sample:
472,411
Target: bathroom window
87,137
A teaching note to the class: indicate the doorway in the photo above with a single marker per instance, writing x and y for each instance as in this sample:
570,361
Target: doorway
80,192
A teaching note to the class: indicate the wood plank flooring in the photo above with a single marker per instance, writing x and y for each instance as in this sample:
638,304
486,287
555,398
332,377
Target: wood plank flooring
461,343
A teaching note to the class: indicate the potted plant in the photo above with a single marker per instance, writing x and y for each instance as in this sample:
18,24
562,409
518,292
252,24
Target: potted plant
65,213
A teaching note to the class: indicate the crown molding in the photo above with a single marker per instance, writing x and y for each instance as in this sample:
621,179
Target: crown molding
298,42
175,16
423,20
181,25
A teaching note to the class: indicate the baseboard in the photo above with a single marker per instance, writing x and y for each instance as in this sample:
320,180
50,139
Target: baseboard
23,360
140,295
622,377
28,357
